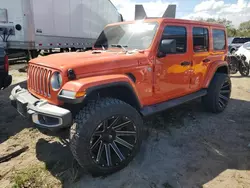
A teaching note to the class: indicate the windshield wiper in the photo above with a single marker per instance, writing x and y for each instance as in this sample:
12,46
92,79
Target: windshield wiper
120,46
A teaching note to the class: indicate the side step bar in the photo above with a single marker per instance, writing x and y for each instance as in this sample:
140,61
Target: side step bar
149,110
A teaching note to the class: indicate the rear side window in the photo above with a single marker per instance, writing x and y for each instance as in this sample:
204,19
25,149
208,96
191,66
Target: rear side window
200,39
178,33
219,39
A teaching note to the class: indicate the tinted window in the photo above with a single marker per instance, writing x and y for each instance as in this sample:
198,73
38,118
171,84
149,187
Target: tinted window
240,40
219,39
200,39
179,34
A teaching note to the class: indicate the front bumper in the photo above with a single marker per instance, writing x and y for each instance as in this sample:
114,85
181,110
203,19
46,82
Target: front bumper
39,111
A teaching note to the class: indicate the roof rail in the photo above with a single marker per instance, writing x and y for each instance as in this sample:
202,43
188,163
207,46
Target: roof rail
141,14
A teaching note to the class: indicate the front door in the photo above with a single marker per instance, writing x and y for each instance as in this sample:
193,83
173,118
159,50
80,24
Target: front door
172,72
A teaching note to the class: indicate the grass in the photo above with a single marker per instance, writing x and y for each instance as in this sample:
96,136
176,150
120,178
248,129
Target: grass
34,177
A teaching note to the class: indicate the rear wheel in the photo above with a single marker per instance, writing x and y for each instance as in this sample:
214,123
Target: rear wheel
244,70
106,136
219,92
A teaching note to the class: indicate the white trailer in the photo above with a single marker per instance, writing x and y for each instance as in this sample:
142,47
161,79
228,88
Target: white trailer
34,25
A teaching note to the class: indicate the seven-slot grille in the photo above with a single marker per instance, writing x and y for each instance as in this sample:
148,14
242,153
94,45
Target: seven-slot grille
39,80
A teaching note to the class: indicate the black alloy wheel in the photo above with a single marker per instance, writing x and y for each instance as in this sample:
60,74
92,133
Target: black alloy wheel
106,136
218,93
113,141
225,92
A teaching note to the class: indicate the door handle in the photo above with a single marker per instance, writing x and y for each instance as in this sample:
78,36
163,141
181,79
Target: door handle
206,60
185,63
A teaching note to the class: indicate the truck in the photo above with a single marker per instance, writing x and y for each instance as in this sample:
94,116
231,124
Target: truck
30,26
136,69
5,78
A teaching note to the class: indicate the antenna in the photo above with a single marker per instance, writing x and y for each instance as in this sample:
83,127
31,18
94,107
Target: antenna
141,14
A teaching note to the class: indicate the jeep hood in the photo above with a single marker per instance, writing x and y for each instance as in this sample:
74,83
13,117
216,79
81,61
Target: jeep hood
90,61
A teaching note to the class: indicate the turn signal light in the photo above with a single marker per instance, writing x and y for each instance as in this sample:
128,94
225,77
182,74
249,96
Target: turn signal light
80,94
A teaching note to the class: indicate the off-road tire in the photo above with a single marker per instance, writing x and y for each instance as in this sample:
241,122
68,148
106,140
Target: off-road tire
212,100
244,71
87,121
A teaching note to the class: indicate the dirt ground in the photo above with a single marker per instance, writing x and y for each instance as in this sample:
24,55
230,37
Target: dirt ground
185,147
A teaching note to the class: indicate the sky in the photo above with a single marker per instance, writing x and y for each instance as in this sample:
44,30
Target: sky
235,10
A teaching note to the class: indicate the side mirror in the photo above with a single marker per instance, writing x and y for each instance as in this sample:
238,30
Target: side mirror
167,46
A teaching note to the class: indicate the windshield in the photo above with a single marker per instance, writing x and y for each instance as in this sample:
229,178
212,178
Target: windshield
131,36
240,40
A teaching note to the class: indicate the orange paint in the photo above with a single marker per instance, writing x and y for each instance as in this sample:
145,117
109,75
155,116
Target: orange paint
157,79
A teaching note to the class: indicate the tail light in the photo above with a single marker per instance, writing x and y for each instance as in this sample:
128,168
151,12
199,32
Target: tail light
6,63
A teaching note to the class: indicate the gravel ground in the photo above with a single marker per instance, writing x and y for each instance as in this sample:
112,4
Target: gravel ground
184,147
17,76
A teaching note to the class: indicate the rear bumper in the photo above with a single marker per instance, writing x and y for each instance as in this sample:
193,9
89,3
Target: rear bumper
39,111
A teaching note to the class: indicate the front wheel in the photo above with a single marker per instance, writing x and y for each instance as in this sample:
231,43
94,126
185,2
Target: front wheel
233,51
106,136
219,92
233,71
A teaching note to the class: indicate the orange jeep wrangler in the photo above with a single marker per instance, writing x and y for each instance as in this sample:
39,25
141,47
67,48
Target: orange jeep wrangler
135,69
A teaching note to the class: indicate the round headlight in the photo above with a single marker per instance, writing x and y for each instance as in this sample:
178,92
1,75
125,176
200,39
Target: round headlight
56,81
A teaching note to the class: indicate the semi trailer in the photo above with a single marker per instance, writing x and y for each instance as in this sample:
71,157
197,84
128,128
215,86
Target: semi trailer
29,26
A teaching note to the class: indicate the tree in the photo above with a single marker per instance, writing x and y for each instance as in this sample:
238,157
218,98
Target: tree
244,26
231,31
242,31
223,21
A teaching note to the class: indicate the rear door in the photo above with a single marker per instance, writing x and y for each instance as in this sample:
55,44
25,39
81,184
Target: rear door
209,45
200,56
